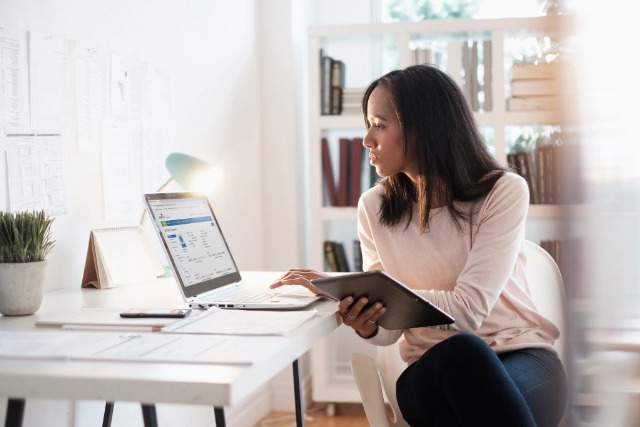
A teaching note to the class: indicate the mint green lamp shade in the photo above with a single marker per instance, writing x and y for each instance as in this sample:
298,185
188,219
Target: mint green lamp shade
192,173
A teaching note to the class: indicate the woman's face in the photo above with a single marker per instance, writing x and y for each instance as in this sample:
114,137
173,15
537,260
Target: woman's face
384,137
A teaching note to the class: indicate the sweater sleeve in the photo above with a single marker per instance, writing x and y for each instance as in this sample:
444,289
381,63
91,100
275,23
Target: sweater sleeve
371,261
495,244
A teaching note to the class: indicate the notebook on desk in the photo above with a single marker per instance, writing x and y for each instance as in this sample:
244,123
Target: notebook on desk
201,259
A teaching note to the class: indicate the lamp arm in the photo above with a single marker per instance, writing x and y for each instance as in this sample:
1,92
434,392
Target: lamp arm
162,187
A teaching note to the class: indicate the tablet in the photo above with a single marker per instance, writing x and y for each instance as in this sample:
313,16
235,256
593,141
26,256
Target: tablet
405,308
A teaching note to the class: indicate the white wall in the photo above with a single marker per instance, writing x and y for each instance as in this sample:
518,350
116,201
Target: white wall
234,103
211,51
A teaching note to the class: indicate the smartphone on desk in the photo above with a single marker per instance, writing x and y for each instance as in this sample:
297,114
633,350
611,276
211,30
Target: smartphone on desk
156,312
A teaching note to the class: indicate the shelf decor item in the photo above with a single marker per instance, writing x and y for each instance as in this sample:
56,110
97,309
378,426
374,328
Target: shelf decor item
25,241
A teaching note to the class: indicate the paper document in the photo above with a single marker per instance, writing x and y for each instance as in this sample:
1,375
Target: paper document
133,347
102,319
42,345
242,322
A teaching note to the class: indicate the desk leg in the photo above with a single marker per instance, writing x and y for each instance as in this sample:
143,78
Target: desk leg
149,415
108,414
15,412
219,414
298,394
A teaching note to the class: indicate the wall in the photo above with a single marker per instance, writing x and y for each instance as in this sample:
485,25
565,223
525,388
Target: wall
210,50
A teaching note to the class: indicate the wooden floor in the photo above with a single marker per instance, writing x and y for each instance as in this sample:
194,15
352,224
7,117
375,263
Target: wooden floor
346,415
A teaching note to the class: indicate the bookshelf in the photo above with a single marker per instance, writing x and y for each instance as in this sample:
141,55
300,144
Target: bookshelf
370,50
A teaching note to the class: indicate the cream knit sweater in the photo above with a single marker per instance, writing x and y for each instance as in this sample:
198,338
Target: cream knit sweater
476,275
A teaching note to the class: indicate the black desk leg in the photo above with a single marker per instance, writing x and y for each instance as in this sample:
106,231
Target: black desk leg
15,412
297,388
219,414
108,414
149,415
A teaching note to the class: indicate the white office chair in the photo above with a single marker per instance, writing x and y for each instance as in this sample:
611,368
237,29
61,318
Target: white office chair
547,291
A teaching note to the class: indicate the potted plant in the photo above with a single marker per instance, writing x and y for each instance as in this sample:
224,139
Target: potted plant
25,241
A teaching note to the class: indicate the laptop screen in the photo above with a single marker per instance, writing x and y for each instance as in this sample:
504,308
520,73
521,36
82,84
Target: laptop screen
193,241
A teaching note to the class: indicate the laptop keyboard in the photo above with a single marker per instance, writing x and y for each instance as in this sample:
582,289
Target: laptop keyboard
246,296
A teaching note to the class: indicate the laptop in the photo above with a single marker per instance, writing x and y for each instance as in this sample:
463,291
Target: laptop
202,262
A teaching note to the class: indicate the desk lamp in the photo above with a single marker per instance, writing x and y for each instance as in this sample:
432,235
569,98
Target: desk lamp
191,173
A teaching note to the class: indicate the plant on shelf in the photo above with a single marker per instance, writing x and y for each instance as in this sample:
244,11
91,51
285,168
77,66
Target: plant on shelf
25,242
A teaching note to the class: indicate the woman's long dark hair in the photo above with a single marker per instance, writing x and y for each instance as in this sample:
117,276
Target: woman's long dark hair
440,132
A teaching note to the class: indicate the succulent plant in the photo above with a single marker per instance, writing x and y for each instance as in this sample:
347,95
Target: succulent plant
25,236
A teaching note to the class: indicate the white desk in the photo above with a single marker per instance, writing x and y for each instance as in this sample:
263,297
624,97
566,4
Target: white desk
150,383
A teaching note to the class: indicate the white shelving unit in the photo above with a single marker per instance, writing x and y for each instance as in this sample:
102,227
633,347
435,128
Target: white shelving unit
332,380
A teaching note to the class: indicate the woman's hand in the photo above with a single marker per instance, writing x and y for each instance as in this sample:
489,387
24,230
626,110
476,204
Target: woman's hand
298,276
362,320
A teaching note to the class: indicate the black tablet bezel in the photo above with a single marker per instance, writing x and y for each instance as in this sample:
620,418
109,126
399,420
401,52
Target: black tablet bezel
405,308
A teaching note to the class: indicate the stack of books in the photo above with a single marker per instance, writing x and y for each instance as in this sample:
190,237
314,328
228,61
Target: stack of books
345,188
336,256
540,168
538,87
352,100
332,75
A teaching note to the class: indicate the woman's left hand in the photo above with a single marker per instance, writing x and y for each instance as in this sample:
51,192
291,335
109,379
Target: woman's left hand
362,320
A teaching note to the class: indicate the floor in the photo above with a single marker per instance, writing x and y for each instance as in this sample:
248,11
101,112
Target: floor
346,415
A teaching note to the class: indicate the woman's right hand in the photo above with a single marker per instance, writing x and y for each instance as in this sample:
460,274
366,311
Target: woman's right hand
302,277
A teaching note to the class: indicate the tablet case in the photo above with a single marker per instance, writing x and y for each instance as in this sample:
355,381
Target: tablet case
405,308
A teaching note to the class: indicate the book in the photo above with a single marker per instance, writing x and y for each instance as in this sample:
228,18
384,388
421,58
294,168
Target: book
553,162
325,83
335,256
352,100
541,173
512,163
337,85
527,103
327,172
536,87
341,257
525,169
117,256
330,256
343,176
355,171
551,70
332,78
357,256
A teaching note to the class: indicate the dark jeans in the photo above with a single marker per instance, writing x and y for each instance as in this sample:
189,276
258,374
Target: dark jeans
461,381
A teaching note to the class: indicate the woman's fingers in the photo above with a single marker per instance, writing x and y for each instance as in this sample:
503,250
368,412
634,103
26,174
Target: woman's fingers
302,278
355,314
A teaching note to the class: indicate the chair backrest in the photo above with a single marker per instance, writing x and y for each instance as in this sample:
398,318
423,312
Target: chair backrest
547,291
391,366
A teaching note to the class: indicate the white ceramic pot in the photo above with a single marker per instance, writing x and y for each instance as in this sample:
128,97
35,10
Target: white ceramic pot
21,287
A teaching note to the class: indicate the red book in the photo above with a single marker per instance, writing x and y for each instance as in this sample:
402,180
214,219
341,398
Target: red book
343,179
355,171
327,171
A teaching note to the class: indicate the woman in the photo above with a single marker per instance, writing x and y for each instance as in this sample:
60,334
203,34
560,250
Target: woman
449,221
